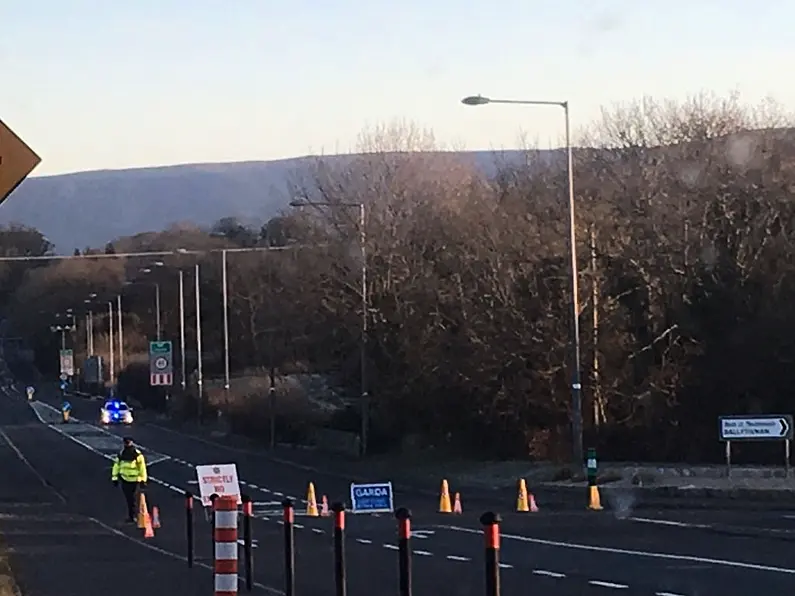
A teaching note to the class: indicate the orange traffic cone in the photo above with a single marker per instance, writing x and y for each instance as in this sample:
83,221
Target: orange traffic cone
149,531
143,512
155,517
457,504
324,511
444,499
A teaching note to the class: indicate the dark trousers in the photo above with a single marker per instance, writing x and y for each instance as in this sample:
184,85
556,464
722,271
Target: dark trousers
129,489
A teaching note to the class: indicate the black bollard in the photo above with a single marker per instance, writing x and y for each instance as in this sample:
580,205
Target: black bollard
403,516
248,546
213,497
340,580
289,547
491,533
189,526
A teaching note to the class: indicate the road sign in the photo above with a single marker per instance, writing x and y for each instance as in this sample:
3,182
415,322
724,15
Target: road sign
67,363
161,368
771,427
17,160
218,479
372,498
64,376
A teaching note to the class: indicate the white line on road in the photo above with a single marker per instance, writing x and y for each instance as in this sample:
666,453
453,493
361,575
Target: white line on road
546,573
423,553
667,594
633,553
505,566
601,584
457,558
318,531
390,546
668,522
364,541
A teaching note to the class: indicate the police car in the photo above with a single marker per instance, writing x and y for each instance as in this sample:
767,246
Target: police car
116,412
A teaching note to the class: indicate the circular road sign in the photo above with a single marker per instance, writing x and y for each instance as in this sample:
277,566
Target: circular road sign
64,376
161,363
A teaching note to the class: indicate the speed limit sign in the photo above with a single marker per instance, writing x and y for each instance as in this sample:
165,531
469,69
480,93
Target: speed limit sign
161,363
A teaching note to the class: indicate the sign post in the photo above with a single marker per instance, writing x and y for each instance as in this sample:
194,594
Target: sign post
17,160
67,363
764,427
161,363
372,498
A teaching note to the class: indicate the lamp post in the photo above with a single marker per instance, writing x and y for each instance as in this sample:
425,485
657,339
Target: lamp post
364,398
157,296
199,378
182,327
226,320
120,333
576,382
110,342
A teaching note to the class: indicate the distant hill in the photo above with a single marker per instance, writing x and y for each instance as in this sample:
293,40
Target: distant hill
93,208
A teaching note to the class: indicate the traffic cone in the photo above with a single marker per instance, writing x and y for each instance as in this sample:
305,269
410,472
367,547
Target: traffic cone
149,531
143,512
324,512
594,502
444,500
521,501
311,501
533,506
155,517
457,505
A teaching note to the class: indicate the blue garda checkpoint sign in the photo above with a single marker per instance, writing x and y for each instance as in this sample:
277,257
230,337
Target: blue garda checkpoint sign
372,498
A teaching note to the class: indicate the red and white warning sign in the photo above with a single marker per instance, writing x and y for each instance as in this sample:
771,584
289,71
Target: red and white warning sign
218,479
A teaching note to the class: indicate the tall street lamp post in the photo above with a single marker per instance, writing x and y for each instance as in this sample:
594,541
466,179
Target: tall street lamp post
576,381
364,398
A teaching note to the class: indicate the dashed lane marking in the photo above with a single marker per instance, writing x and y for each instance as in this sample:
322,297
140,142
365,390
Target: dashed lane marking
457,558
667,594
546,573
635,553
601,584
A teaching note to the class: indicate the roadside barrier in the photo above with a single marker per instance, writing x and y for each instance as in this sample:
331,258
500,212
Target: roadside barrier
227,517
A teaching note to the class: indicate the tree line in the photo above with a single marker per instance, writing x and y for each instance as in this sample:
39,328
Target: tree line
685,231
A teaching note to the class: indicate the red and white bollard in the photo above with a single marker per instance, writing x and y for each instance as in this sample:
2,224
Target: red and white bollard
225,511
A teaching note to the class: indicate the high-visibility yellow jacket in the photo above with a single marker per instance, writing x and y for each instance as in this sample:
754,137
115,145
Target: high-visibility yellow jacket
129,469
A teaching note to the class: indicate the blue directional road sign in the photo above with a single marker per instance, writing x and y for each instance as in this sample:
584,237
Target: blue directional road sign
66,407
372,498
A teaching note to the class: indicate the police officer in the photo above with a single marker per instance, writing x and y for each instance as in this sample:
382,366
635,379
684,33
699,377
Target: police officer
129,466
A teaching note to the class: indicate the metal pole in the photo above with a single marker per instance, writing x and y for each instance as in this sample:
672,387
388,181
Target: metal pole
121,332
365,410
199,380
63,339
157,309
91,332
182,326
576,383
226,320
110,343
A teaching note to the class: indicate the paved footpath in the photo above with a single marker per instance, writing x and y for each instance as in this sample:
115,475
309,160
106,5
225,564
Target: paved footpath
56,549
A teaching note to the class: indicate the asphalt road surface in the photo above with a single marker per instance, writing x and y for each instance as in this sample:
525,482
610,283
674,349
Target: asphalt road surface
553,552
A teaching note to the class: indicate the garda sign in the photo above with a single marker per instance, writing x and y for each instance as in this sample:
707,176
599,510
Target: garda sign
161,367
756,428
218,479
372,498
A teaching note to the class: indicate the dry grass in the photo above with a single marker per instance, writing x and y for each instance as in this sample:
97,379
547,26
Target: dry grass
8,586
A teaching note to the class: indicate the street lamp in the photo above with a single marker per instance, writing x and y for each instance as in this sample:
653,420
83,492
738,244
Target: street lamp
576,382
157,295
364,398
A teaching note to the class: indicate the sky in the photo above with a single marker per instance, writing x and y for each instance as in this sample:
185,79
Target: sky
92,84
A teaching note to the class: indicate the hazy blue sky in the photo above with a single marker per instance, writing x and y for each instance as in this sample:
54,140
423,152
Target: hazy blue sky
96,84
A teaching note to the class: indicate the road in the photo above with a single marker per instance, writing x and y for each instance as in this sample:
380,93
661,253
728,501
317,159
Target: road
556,552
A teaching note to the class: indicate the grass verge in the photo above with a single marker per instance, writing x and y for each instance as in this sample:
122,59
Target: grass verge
8,585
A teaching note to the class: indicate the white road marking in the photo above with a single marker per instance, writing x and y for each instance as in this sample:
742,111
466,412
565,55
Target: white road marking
423,553
667,522
505,566
318,531
390,546
667,594
546,573
634,553
364,541
596,582
457,558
